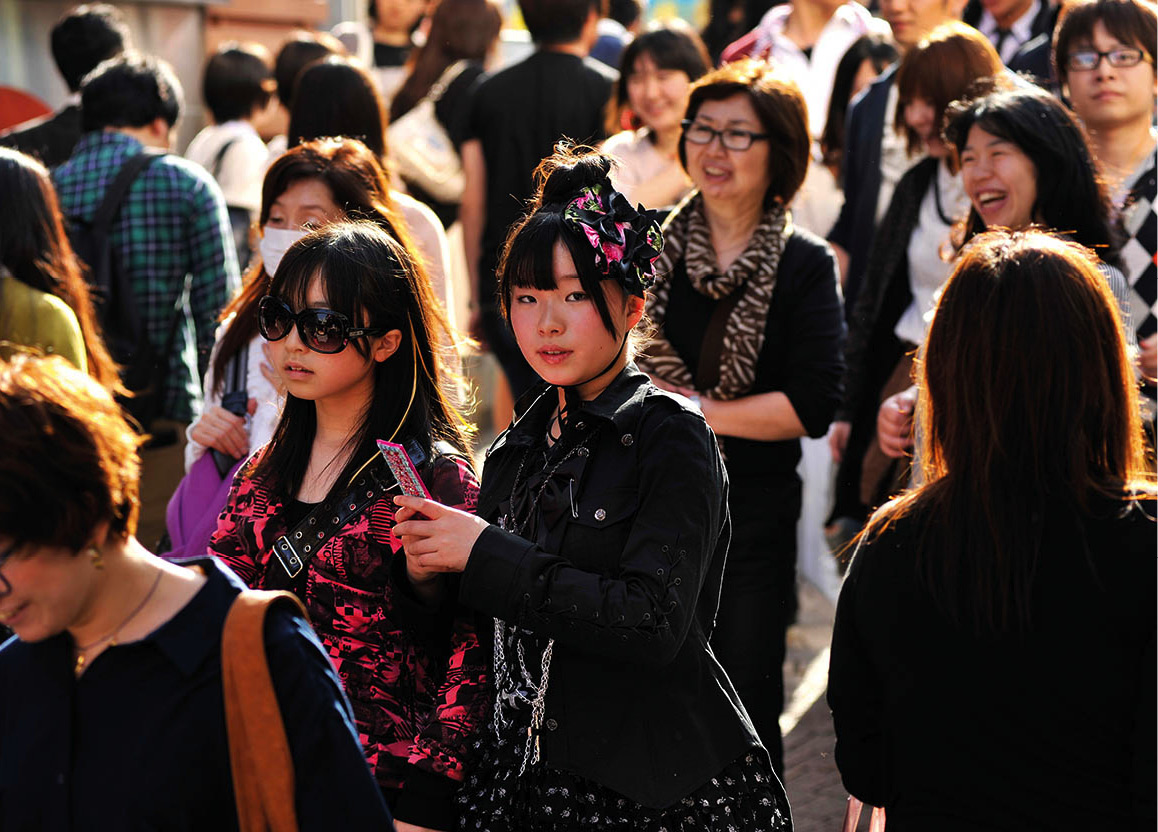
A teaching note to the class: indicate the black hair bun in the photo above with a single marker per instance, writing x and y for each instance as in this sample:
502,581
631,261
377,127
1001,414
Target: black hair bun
561,176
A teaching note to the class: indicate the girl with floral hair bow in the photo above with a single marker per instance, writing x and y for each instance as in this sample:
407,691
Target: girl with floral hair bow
596,556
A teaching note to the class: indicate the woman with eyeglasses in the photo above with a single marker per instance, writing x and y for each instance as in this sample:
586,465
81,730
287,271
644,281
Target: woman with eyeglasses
111,696
352,326
749,326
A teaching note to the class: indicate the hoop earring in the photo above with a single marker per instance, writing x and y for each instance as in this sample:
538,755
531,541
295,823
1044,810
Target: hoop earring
94,555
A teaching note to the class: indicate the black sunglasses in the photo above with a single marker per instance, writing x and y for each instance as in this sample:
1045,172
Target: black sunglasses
322,330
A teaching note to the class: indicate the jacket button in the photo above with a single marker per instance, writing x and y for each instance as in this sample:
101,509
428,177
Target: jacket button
551,724
580,426
600,514
626,440
584,452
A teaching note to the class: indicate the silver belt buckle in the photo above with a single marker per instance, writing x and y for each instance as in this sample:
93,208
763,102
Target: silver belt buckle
288,557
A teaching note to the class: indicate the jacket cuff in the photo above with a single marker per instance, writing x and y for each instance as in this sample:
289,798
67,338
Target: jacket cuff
427,800
492,570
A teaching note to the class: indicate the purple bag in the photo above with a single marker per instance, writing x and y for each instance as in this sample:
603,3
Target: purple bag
191,516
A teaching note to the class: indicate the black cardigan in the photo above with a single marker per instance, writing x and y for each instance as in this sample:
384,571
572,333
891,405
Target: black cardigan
625,575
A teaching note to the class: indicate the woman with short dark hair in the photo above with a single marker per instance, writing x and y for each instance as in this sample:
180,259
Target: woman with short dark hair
111,696
749,326
993,662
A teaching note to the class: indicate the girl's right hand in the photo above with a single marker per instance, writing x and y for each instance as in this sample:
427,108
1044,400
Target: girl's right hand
219,429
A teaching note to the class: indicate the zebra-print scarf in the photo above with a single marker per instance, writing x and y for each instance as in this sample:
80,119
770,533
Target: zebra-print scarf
686,236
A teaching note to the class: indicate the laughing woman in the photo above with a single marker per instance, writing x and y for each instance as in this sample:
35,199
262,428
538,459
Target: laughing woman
598,551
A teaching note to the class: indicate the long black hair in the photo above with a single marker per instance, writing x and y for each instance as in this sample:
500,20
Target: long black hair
368,276
1071,199
881,51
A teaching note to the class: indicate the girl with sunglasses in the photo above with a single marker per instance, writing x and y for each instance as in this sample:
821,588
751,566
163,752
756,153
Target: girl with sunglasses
352,324
313,184
597,554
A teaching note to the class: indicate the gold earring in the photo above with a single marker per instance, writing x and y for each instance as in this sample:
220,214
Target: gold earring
95,556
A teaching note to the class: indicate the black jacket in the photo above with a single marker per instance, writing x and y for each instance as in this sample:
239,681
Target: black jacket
625,575
50,138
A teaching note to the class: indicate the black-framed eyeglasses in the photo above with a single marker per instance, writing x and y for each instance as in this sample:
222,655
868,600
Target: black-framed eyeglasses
731,138
1121,57
322,330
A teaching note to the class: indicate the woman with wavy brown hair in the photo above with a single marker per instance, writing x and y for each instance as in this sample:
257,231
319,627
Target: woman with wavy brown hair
993,661
44,300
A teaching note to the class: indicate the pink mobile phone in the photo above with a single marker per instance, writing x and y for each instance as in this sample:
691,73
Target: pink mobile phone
403,469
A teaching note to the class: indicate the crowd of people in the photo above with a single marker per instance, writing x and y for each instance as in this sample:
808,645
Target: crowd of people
925,234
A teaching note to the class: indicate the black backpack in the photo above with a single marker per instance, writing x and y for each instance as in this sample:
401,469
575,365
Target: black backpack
143,368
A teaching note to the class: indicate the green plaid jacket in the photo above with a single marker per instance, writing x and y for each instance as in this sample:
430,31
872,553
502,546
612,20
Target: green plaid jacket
172,229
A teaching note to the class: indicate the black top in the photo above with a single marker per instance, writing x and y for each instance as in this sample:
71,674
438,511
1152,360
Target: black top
801,356
624,573
50,138
519,114
386,54
861,179
139,741
1053,730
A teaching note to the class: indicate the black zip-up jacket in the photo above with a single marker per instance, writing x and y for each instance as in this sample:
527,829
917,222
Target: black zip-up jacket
624,573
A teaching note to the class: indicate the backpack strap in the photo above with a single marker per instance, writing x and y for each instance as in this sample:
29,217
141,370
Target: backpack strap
107,211
259,752
215,169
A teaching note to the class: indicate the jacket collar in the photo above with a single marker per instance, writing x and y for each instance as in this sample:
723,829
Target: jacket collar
615,404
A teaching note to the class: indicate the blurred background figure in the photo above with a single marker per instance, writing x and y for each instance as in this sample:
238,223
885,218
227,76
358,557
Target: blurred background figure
337,97
301,49
386,43
749,325
623,22
910,260
729,20
115,673
658,70
1031,543
238,88
462,41
44,299
817,205
83,38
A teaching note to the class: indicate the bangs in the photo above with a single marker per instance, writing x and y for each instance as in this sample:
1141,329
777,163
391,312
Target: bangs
529,262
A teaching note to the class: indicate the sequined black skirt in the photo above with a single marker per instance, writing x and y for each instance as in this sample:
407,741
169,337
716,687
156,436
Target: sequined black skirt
744,797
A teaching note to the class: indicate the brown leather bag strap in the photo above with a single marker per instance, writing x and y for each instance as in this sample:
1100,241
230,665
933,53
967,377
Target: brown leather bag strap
259,754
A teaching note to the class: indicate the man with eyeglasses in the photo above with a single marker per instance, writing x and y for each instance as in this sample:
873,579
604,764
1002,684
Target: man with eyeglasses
1104,58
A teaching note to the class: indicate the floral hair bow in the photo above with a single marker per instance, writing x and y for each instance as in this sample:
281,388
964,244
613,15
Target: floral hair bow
626,240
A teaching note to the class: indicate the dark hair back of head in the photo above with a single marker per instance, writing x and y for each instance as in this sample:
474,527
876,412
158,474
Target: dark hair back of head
357,185
35,248
554,22
1017,424
940,69
236,81
1071,199
301,50
371,278
337,97
783,114
460,30
130,90
70,459
872,47
527,259
625,12
673,45
84,37
1133,22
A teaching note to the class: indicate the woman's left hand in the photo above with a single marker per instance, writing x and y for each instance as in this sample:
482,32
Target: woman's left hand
403,826
440,540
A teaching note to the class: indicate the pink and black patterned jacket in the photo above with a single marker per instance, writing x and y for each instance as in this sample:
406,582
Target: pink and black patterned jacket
415,675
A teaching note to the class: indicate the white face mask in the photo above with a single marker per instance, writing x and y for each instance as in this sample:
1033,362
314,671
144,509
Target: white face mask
274,244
